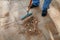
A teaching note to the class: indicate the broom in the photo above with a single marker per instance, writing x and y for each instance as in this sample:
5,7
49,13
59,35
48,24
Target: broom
28,14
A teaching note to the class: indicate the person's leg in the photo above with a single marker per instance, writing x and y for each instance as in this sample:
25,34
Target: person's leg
45,7
35,3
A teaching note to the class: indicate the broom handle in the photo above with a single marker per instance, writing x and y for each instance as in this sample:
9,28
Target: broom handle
29,6
28,10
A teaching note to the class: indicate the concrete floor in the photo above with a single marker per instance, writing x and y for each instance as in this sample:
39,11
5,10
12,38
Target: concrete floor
11,25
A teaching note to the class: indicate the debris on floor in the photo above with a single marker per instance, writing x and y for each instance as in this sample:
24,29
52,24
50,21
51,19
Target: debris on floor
31,26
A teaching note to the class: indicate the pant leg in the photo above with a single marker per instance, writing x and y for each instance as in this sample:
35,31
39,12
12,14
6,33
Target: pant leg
46,4
36,2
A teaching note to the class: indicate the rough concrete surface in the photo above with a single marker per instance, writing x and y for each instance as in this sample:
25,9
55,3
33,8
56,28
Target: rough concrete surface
13,28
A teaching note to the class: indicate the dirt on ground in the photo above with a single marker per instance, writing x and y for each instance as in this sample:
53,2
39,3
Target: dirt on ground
31,26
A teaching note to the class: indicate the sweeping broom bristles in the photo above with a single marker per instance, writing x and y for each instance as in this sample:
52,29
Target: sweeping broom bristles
27,15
